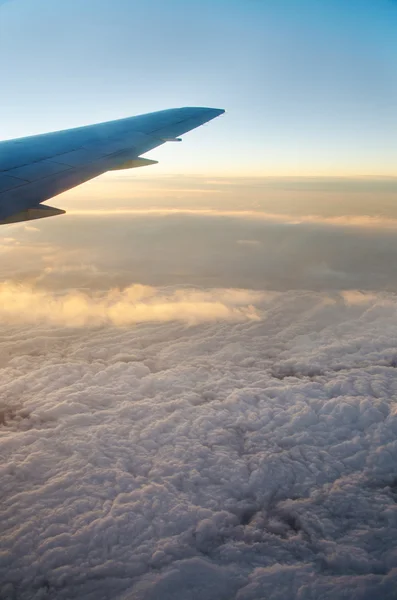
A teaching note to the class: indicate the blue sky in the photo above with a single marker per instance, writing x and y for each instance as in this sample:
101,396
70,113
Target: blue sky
310,86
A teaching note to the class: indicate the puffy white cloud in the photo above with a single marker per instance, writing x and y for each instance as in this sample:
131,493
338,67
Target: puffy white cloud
244,459
134,304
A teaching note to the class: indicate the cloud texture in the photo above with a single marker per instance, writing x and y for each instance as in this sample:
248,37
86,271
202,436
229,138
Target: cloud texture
231,458
193,436
135,304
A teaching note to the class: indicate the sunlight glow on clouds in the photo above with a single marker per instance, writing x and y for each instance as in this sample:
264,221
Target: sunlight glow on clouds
343,221
135,304
299,196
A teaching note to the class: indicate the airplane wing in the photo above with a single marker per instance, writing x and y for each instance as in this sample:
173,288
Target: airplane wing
36,168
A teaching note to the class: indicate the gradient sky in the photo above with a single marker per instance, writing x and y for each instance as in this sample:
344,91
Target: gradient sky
310,86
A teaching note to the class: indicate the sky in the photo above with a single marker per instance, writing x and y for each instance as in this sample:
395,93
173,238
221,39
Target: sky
310,87
198,374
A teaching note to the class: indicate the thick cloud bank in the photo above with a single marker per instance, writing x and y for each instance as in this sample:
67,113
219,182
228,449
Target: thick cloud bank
233,458
134,304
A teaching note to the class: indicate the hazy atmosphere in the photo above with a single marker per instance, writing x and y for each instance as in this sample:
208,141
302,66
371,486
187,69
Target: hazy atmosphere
198,391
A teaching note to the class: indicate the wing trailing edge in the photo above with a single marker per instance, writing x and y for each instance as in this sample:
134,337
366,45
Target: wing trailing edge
134,163
31,214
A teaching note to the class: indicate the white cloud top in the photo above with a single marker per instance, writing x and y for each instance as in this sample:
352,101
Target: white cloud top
238,457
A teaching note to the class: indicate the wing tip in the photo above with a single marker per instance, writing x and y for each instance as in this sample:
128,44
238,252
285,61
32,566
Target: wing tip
216,112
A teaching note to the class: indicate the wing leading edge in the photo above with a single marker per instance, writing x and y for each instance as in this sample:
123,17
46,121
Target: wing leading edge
36,168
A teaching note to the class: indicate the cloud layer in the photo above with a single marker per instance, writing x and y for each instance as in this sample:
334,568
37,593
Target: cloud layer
194,436
202,249
248,460
134,304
